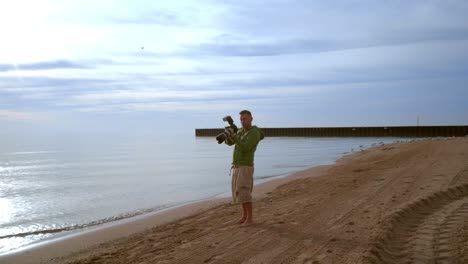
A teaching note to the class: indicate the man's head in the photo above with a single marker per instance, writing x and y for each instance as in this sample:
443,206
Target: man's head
246,118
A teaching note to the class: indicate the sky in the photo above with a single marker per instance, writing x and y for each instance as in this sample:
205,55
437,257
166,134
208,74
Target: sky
90,65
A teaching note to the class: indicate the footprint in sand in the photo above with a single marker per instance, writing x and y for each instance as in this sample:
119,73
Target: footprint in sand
212,258
235,244
310,260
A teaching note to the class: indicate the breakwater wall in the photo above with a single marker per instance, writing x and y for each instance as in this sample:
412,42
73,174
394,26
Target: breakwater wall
393,131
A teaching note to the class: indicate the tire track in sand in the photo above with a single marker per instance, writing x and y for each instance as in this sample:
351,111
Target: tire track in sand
461,177
421,232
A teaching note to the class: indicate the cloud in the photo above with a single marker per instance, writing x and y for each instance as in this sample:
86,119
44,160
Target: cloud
275,48
264,49
46,65
286,27
298,56
9,115
157,17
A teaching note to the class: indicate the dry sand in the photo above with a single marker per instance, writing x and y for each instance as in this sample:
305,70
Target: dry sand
398,203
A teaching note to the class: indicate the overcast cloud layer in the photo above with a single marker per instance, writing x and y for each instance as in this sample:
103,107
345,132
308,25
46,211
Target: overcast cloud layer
189,63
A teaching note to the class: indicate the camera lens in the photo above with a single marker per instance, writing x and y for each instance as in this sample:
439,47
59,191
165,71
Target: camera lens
221,137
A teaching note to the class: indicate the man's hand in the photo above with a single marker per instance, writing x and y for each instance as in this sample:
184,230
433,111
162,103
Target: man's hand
231,132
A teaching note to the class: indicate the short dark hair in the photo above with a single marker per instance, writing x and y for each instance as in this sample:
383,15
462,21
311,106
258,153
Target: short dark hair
245,112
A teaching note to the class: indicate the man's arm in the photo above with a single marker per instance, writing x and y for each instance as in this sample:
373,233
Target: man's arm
252,138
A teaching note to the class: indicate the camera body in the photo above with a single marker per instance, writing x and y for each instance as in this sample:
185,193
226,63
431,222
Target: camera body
228,131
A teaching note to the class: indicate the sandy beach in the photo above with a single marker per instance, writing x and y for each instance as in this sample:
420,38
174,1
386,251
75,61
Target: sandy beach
397,203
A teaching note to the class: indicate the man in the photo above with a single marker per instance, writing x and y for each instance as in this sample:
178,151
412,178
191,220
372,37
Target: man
245,141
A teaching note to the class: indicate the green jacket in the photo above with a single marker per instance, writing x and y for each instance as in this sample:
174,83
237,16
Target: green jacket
246,141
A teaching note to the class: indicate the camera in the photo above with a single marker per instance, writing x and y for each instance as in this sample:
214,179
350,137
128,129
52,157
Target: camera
228,131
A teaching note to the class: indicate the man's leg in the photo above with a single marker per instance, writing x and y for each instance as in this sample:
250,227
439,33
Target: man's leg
244,214
234,185
243,187
249,214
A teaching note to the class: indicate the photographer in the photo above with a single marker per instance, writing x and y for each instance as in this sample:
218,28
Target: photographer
245,141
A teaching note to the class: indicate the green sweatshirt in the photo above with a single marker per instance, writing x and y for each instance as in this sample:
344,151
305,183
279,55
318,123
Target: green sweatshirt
246,141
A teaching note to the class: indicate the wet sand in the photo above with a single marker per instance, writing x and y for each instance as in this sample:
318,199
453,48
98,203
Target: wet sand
389,204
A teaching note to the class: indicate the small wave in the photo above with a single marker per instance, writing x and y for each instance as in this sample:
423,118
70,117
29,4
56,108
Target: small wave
90,224
265,177
31,152
271,176
285,166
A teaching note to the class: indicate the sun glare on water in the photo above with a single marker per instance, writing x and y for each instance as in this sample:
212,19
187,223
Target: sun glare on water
6,209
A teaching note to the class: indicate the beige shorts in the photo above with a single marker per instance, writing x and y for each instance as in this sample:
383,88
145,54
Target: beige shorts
242,184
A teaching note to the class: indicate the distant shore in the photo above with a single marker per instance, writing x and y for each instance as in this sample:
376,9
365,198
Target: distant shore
361,209
384,131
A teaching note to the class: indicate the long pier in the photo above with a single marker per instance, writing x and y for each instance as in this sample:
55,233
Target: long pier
390,131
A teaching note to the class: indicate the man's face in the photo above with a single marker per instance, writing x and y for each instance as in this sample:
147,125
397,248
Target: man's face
246,120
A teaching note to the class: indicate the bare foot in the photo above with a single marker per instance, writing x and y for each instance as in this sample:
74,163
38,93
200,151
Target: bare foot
248,222
242,220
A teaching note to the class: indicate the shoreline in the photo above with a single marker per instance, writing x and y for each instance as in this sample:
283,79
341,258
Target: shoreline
78,240
50,233
81,239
